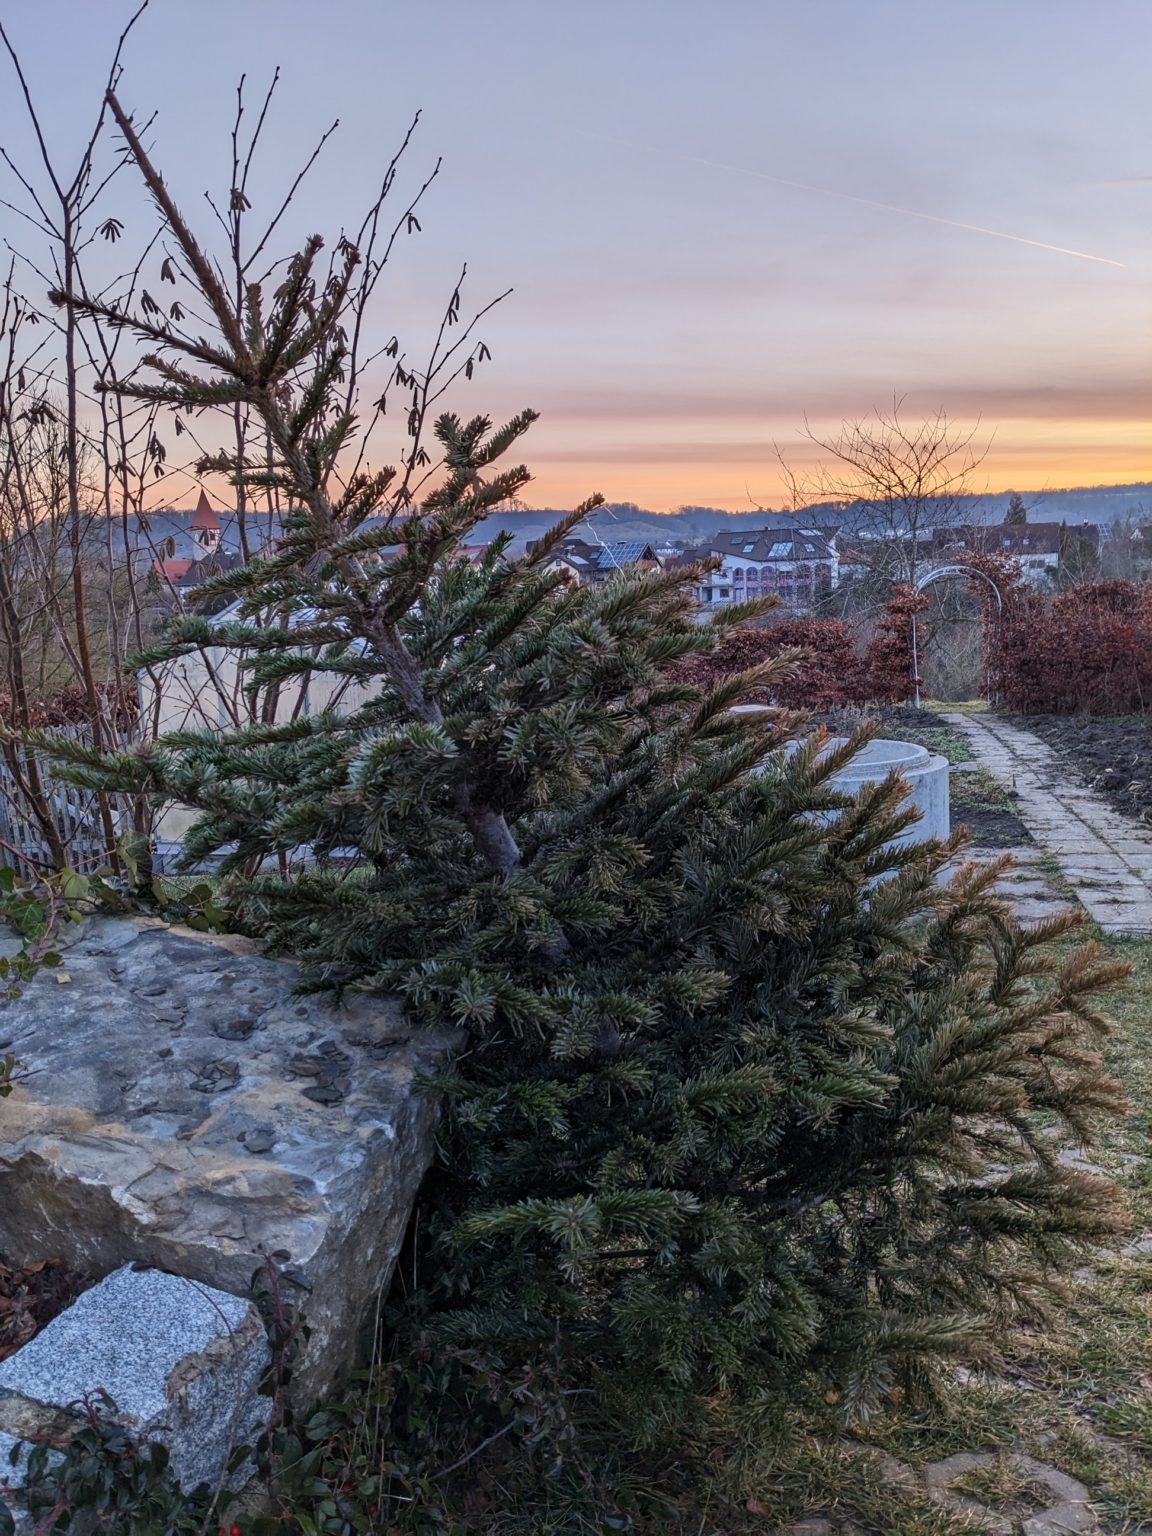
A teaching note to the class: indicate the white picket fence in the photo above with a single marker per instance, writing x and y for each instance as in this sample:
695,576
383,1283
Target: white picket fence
75,814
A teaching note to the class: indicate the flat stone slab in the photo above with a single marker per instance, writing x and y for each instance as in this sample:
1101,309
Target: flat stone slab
1026,886
184,1109
1070,1509
169,1360
1106,859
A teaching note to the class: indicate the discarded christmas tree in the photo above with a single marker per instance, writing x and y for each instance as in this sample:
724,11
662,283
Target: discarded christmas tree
748,1092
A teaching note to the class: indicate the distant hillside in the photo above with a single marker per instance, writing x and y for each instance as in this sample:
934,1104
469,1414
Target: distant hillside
623,520
168,532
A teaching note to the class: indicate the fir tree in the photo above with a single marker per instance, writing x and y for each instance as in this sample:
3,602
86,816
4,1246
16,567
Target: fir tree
750,1090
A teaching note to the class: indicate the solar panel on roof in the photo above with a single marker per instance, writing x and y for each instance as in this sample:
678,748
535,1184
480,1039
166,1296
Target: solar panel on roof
626,553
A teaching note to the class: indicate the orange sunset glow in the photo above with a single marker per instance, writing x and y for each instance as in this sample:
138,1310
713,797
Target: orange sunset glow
718,227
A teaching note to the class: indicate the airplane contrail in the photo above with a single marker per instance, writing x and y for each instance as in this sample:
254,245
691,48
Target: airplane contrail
852,197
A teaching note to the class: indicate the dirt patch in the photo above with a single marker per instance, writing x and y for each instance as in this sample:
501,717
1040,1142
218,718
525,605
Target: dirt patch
1112,755
990,828
899,720
31,1296
904,720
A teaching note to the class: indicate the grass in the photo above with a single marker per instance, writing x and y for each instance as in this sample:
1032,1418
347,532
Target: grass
1003,1487
1050,865
957,706
980,791
1077,1395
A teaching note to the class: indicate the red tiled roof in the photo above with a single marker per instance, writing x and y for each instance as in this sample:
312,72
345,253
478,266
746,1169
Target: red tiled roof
171,570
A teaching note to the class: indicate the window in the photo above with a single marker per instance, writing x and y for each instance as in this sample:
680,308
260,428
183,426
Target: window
780,551
809,533
809,549
724,592
1026,542
738,573
748,548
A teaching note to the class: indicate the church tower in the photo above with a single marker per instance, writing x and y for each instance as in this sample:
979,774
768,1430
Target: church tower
206,526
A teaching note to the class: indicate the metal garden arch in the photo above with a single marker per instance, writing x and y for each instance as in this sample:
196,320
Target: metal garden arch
926,580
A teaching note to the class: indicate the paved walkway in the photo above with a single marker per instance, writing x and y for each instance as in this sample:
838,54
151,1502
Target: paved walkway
1032,888
1106,859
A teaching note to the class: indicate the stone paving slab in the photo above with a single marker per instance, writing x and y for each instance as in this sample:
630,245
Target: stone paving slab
171,1361
1103,857
1027,887
1064,1504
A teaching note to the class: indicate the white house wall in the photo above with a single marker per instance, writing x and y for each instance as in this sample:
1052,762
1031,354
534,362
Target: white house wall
205,691
801,576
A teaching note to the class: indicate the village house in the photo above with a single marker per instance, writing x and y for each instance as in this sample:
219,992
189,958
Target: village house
201,541
797,565
1040,549
590,564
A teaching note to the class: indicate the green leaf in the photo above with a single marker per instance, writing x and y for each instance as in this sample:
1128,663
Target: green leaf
74,886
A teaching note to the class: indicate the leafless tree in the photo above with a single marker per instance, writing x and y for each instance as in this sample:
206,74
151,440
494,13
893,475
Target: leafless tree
85,468
895,480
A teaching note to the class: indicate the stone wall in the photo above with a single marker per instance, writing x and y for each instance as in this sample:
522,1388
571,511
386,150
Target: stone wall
185,1110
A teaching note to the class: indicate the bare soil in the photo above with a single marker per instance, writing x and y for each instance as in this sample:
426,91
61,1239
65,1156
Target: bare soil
31,1296
1111,754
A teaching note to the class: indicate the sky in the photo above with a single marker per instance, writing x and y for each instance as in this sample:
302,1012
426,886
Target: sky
718,219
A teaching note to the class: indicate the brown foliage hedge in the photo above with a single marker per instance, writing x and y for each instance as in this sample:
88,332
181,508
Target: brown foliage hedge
832,671
1087,650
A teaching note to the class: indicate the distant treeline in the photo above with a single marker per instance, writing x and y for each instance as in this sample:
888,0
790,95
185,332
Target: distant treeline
625,520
